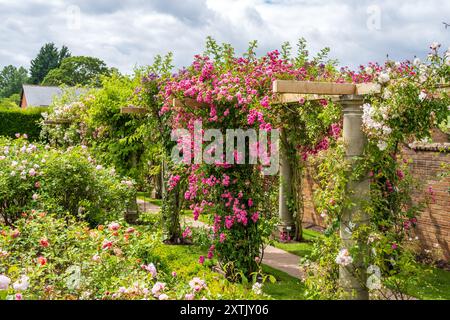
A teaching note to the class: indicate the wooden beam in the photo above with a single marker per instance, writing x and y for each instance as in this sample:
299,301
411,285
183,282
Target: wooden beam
367,88
57,121
295,98
188,102
134,110
312,87
293,87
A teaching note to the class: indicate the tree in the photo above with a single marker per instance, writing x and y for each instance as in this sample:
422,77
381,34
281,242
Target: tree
11,80
78,70
10,102
48,58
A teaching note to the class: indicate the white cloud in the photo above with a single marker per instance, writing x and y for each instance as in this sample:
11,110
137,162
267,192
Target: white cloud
126,34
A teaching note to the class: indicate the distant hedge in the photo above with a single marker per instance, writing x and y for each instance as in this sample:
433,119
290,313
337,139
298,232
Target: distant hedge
15,120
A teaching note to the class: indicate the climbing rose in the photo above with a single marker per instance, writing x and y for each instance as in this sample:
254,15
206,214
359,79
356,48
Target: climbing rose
344,258
4,282
187,233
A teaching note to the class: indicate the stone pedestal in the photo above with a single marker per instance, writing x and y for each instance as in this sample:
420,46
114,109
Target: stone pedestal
358,190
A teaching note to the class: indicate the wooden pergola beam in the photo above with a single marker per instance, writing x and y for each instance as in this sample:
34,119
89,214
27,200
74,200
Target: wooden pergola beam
57,121
324,88
188,102
134,110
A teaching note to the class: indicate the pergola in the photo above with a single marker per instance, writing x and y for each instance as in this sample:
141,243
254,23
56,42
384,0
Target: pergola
351,98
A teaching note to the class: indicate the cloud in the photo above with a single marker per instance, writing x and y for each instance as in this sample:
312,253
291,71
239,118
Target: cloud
125,34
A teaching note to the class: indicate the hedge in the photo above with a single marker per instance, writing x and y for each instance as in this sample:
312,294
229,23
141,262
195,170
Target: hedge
17,120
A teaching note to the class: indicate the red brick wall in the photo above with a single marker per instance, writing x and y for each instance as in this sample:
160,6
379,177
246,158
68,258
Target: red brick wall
23,102
434,223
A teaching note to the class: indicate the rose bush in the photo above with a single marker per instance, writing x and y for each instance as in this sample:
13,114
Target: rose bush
64,181
46,257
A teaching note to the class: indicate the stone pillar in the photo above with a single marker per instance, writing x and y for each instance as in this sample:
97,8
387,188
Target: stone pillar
285,191
358,190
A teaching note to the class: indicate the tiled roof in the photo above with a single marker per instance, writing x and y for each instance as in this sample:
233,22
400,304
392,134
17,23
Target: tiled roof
42,95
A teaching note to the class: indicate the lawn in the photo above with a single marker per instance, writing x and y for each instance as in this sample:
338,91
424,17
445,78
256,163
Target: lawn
300,249
146,197
285,288
433,284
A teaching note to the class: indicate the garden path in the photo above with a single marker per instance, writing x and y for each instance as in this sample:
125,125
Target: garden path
273,257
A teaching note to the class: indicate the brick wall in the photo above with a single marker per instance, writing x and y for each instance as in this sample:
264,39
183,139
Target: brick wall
434,223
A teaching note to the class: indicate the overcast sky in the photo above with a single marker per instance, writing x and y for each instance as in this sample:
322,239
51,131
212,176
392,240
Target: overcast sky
129,33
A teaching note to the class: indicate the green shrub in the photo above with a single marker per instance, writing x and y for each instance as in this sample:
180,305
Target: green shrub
69,181
25,121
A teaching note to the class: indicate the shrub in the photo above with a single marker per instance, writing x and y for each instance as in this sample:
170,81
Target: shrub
15,120
46,257
67,181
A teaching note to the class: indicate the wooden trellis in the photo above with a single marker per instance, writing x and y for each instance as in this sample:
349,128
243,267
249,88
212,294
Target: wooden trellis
57,121
133,110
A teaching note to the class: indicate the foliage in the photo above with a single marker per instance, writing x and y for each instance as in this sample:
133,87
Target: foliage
406,110
50,258
94,120
64,181
234,93
79,70
15,120
48,58
11,80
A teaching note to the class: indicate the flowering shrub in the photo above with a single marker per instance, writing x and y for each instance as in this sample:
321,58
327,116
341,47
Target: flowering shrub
44,257
94,119
64,181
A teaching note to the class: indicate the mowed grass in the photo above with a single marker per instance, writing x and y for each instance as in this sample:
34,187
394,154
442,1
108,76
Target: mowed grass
300,249
285,288
146,197
433,284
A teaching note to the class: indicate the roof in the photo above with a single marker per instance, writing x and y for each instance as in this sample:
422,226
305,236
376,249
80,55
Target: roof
43,95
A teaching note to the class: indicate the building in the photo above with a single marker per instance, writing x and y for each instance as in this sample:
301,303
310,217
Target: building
41,96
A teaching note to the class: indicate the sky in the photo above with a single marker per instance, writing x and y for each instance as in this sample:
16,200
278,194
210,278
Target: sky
130,33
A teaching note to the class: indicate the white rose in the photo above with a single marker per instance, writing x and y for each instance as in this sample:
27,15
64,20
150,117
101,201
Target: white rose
4,282
21,284
384,77
422,96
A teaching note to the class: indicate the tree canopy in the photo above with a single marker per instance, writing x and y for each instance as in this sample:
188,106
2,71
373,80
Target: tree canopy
11,80
48,58
80,70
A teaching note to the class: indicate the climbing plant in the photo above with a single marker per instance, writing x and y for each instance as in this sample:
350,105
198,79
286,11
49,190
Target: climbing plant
409,106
